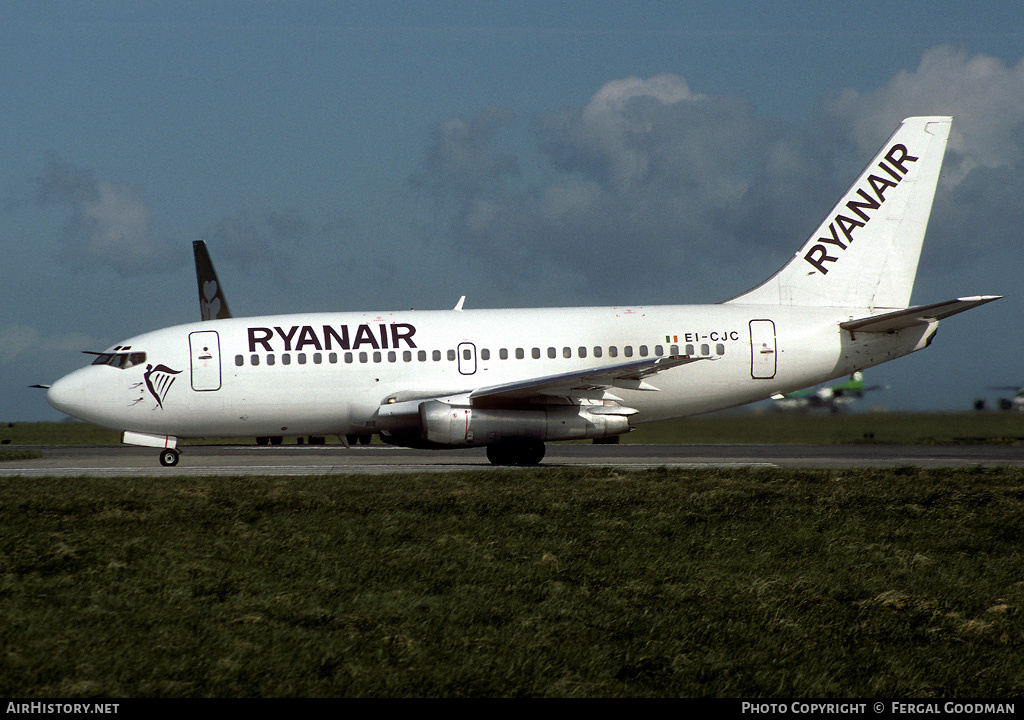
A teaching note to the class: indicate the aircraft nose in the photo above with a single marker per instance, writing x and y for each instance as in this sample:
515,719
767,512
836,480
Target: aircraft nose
69,393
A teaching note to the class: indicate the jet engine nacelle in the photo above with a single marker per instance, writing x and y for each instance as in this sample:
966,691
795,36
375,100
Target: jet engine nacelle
460,425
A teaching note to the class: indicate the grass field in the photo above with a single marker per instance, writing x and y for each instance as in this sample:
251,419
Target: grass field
734,427
542,582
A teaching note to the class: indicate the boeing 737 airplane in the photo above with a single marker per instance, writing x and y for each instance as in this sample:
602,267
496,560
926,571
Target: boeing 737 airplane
512,380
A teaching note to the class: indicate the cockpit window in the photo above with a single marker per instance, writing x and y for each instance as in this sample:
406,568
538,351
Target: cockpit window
120,360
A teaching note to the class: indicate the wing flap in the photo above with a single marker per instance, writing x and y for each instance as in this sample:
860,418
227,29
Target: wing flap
919,315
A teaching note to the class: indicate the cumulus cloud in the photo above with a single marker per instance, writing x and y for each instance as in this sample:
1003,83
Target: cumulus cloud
698,196
984,95
647,173
109,222
462,159
977,212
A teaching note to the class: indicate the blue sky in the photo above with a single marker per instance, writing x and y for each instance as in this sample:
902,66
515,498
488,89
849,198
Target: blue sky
385,155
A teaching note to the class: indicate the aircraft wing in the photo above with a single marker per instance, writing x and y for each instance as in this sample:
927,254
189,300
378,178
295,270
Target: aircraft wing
919,315
589,383
629,376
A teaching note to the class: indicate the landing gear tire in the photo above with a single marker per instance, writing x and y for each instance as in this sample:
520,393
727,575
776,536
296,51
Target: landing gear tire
169,458
516,453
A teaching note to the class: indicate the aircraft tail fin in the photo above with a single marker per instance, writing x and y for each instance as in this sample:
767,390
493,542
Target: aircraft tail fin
212,305
865,252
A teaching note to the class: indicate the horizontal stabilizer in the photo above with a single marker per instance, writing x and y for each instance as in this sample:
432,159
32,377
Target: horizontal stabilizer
919,315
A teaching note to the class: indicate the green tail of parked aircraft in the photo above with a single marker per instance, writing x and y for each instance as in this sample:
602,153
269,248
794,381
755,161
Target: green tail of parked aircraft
831,397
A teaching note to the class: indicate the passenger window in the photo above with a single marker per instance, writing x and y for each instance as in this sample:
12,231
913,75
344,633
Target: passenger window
520,354
270,359
503,354
407,355
485,354
451,355
255,359
333,358
392,356
720,349
552,353
376,357
239,361
421,355
597,351
613,351
363,357
536,353
705,350
348,358
301,358
582,351
317,358
437,356
567,352
643,351
628,351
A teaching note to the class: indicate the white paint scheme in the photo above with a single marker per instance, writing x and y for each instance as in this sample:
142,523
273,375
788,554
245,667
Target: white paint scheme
809,323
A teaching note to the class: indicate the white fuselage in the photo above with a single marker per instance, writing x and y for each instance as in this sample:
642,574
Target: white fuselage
336,373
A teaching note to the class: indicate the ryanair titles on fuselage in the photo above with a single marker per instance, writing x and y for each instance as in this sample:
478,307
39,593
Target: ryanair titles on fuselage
844,225
380,336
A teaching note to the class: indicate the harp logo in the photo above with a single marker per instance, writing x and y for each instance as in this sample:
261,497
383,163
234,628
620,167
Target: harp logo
157,381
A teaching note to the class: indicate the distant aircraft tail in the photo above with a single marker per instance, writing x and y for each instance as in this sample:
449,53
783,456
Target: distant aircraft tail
854,386
212,305
865,252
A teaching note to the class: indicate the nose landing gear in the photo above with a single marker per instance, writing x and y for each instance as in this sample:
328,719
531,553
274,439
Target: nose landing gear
169,457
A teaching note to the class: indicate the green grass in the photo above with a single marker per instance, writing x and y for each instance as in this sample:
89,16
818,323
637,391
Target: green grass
6,455
56,433
543,582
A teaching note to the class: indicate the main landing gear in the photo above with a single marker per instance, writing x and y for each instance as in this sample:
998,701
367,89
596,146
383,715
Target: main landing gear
530,452
169,457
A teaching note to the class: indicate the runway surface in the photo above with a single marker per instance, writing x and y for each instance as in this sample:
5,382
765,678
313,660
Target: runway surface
123,460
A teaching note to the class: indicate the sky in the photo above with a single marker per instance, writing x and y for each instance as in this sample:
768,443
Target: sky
387,155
